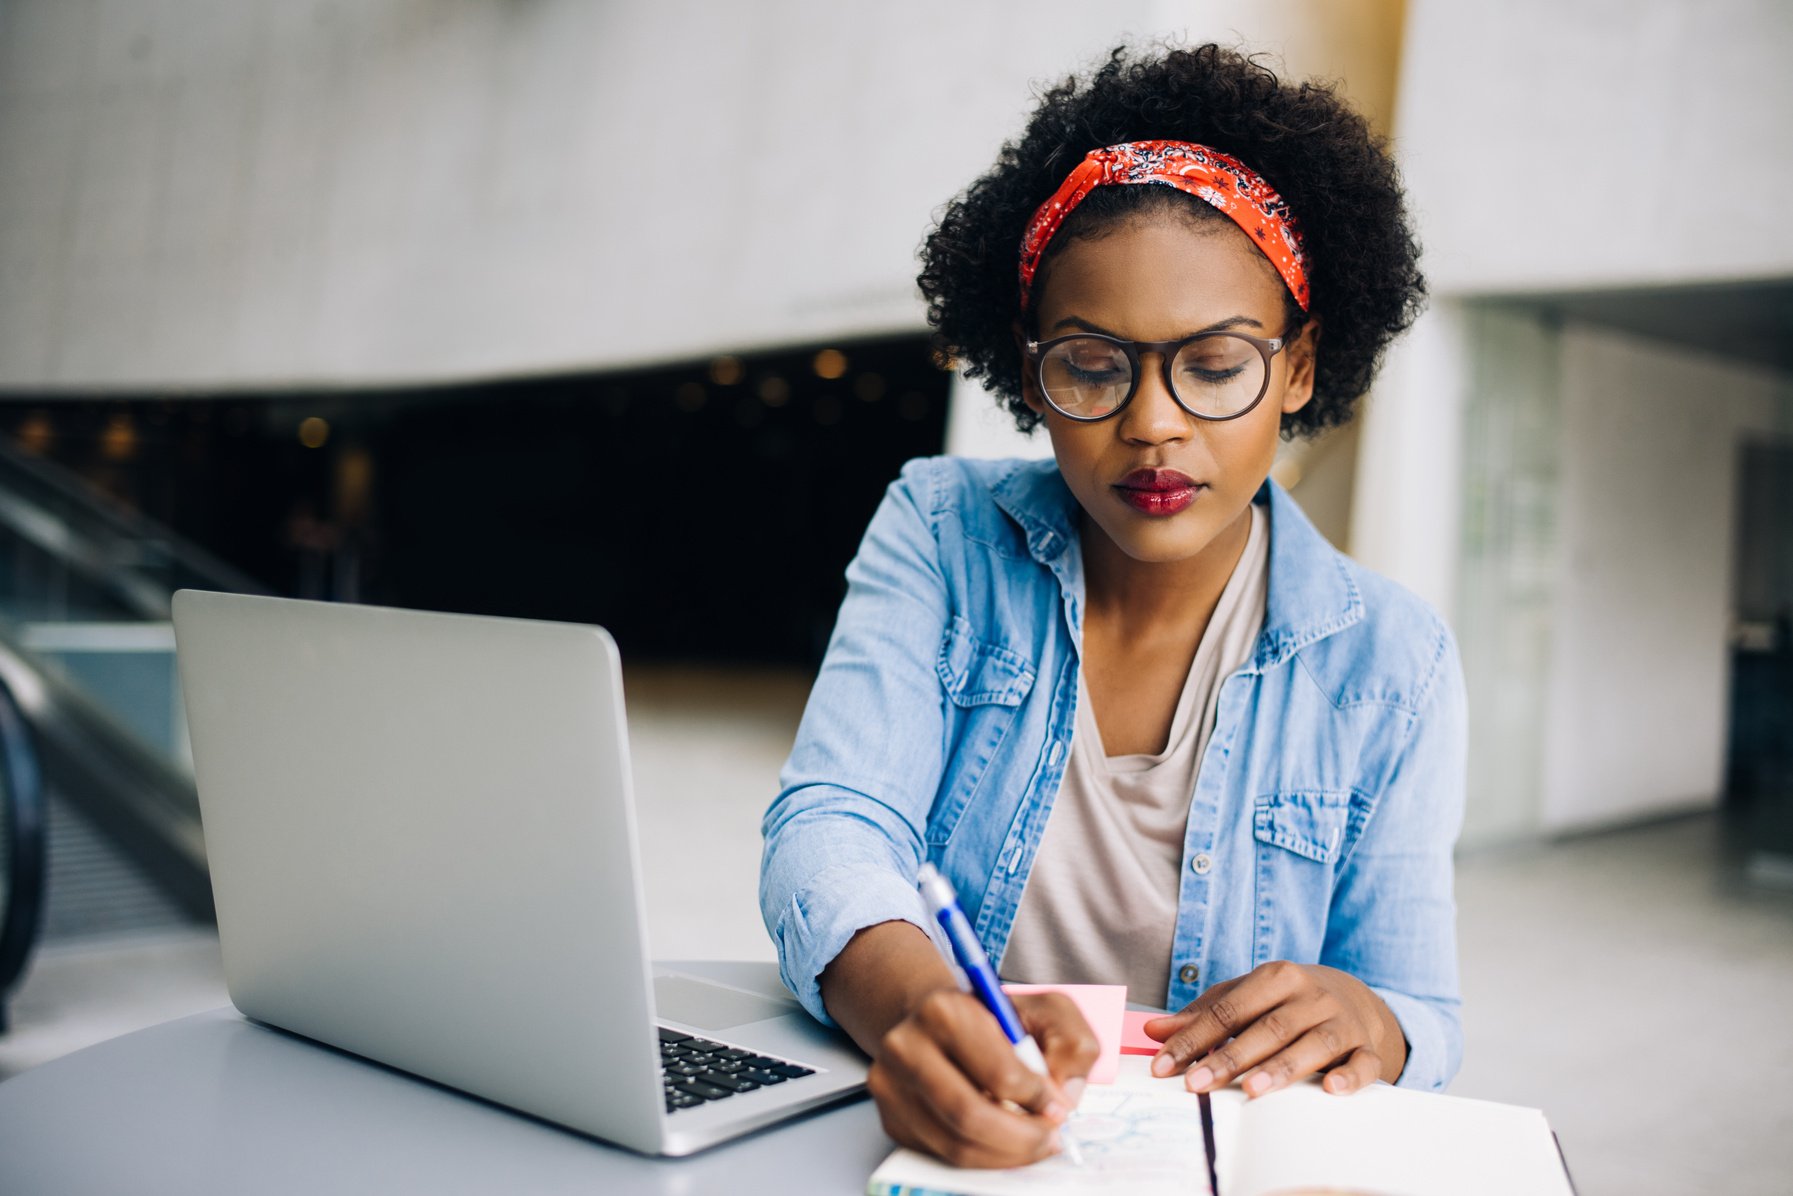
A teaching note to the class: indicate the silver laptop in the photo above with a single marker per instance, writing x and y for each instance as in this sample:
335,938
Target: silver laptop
422,841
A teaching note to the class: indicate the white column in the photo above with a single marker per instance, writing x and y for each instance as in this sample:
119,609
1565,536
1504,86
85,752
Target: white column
977,425
1406,515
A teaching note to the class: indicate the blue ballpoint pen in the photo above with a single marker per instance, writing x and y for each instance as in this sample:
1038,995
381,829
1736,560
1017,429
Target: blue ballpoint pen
943,903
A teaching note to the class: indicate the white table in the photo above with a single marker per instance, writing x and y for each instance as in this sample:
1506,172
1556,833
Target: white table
214,1103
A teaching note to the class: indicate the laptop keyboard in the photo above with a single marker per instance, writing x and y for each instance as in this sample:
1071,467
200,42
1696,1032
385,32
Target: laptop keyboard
695,1070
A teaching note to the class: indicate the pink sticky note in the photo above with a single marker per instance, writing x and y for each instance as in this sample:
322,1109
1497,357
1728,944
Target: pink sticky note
1102,1006
1134,1040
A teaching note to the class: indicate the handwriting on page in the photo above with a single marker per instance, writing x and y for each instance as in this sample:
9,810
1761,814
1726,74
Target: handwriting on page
1140,1136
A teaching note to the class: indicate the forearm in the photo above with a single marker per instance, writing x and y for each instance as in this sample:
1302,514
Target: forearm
879,977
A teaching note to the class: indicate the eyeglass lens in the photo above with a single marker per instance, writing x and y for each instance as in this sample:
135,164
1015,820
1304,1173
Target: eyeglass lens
1214,376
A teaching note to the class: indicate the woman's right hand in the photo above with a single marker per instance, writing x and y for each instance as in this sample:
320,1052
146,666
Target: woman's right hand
947,1081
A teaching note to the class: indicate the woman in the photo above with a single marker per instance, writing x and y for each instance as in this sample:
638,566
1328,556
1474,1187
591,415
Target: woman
1149,724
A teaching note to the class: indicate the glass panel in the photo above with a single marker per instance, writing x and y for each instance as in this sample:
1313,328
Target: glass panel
1511,445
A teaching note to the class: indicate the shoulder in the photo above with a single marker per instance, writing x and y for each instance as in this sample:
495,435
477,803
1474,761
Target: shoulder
993,503
1399,652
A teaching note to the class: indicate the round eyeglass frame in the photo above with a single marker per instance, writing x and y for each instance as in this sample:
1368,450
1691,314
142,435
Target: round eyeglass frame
1035,352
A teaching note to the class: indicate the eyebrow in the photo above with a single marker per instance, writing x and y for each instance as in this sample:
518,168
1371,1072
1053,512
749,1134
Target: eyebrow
1218,326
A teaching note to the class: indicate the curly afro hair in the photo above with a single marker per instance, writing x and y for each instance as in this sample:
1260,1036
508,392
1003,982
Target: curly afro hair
1302,138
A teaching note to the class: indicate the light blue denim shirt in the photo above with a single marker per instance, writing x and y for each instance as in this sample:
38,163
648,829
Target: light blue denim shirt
1325,807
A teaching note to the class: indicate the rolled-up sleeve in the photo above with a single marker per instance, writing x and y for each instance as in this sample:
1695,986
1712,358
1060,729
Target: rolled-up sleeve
844,837
1392,922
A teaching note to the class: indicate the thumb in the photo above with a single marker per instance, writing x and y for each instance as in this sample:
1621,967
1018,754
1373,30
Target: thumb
1066,1040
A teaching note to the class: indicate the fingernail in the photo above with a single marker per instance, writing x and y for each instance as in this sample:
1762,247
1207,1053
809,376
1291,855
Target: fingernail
1199,1079
1056,1113
1162,1064
1258,1084
1074,1090
1337,1082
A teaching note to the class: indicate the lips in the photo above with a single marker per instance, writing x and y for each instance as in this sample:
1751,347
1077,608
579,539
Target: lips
1158,491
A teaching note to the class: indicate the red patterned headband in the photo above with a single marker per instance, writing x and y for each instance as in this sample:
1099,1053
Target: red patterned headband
1219,179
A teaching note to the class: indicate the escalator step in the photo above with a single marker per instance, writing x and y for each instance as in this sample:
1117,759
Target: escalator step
95,890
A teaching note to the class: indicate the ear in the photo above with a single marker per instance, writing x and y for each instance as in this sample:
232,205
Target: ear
1301,354
1030,382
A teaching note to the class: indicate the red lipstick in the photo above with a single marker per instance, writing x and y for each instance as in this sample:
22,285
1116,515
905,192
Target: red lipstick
1158,491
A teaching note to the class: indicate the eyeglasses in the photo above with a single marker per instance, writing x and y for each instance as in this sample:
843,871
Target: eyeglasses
1212,375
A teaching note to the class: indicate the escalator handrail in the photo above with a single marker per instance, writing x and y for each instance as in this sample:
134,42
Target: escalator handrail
150,806
22,806
32,480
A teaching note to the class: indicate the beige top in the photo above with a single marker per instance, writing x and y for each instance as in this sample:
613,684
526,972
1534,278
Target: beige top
1100,905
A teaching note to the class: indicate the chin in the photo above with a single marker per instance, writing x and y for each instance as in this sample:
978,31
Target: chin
1162,544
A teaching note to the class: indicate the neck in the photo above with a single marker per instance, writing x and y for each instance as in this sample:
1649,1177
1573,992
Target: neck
1134,593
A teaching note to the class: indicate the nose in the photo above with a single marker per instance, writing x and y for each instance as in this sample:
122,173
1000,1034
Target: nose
1154,416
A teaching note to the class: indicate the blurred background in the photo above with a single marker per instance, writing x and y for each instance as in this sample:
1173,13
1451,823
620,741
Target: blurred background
429,302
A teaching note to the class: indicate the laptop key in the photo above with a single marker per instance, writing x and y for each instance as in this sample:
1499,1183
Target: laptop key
670,1036
729,1065
734,1053
723,1080
762,1061
791,1071
703,1044
687,1069
697,1087
761,1076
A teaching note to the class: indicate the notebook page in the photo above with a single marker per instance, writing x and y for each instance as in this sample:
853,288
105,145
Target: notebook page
1391,1142
1138,1136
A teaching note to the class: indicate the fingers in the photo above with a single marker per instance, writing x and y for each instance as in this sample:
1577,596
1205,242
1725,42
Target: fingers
1322,1046
1065,1038
1360,1070
1303,1024
965,1126
1223,1012
918,1124
970,1038
940,1078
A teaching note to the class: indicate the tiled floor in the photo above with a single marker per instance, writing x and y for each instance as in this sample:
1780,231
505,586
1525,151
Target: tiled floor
1628,984
1632,987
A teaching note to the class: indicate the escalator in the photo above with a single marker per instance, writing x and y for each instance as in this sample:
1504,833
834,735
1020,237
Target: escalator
99,820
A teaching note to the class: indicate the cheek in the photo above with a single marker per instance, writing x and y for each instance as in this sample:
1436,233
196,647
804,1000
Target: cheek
1076,446
1245,448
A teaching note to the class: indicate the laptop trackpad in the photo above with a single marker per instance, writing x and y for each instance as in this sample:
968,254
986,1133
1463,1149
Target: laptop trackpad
711,1006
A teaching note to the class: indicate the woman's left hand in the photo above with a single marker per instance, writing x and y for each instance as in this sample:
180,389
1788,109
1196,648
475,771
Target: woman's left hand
1278,1023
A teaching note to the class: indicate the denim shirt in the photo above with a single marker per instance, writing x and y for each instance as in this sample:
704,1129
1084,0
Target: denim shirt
1325,807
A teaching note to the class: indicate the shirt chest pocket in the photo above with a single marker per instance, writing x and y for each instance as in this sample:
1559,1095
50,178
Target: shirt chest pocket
984,685
1298,836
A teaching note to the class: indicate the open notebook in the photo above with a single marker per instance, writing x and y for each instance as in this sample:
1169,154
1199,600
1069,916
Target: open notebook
1145,1136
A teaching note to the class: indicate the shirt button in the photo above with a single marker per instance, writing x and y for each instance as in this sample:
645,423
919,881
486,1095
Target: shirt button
1201,863
1189,973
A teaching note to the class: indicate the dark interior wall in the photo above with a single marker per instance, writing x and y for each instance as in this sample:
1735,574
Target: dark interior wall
701,512
1765,531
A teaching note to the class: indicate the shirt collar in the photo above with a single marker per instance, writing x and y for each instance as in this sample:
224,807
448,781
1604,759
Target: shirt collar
1034,495
1311,591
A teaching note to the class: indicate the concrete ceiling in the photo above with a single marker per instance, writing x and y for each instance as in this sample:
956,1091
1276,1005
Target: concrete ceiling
1748,321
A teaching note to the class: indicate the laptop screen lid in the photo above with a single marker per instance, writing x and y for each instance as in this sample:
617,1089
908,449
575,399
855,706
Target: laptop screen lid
422,846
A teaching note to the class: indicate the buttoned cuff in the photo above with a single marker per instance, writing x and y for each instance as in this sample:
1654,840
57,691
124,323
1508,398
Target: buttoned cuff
823,916
1434,1043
